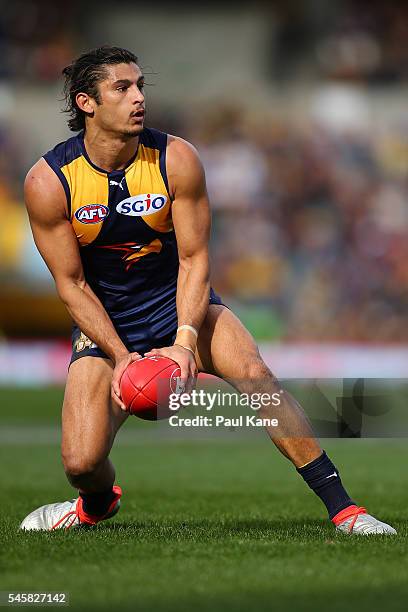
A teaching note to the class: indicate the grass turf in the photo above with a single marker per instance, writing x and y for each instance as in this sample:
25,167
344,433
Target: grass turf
207,525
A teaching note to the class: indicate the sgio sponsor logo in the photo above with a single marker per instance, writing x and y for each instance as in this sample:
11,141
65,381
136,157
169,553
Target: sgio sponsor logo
142,205
92,213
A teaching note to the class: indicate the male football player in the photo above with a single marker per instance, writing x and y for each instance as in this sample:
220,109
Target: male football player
120,214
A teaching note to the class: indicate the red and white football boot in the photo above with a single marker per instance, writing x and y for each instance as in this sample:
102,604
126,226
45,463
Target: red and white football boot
64,515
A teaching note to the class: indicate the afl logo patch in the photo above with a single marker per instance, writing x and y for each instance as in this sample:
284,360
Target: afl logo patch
92,213
142,205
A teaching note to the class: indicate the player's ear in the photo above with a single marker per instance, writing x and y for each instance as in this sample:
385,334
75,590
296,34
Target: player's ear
85,103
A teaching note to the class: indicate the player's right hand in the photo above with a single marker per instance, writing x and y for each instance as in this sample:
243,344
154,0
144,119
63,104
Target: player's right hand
185,360
120,366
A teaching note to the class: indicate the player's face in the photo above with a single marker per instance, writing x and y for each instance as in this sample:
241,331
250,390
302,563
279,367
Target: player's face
122,103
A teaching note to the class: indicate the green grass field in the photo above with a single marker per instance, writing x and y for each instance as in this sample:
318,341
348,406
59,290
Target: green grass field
204,525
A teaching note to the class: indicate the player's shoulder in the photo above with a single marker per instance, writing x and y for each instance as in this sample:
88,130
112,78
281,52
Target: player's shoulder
185,171
183,158
39,178
47,169
181,148
45,181
44,194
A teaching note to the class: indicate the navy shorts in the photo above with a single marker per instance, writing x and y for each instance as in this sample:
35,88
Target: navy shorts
140,339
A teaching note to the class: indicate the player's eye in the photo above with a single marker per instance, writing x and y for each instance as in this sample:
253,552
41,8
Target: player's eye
121,88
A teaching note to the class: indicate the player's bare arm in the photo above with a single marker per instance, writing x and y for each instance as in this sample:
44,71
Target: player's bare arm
191,220
53,234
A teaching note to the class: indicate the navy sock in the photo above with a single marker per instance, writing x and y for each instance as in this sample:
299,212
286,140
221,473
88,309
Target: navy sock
97,504
323,478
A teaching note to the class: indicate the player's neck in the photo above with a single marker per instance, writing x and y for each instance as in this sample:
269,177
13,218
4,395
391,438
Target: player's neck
109,152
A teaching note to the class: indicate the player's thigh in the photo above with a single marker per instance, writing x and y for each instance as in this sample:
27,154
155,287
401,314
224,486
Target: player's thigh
226,348
90,419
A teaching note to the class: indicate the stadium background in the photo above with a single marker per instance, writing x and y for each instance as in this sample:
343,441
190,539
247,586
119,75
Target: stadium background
299,112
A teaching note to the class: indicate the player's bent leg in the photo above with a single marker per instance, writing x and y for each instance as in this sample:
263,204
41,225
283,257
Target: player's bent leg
226,348
90,421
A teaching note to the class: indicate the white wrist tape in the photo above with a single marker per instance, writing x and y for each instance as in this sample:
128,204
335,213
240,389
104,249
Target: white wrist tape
190,328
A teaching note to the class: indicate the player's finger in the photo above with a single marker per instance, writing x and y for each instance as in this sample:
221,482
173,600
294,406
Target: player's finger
118,401
155,352
135,356
183,378
191,383
117,375
194,375
188,388
115,387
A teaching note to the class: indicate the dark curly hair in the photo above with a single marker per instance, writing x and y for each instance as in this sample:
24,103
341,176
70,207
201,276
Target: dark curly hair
84,74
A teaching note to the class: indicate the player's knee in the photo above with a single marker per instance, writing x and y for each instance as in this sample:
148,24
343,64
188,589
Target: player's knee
255,369
255,375
80,466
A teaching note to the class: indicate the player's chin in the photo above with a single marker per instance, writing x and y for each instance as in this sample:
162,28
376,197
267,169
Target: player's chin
134,130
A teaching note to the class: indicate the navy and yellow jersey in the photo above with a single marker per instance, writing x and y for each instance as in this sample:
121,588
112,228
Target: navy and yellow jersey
128,248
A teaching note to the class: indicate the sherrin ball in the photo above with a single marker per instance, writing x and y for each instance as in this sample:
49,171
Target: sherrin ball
146,385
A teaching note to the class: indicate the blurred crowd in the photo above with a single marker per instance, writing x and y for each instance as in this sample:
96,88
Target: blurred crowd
355,40
310,211
312,223
367,40
36,39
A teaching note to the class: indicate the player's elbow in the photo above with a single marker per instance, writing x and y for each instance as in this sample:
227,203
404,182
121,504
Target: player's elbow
67,289
197,262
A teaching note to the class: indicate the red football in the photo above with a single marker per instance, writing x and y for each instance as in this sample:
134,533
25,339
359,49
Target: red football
146,385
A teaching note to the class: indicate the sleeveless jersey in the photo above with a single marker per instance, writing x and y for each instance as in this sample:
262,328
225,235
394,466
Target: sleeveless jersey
123,224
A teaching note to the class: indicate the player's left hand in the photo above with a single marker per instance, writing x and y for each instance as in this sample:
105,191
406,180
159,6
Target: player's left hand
185,359
120,366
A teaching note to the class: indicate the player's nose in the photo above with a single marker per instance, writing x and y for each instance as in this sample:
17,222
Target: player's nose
138,96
